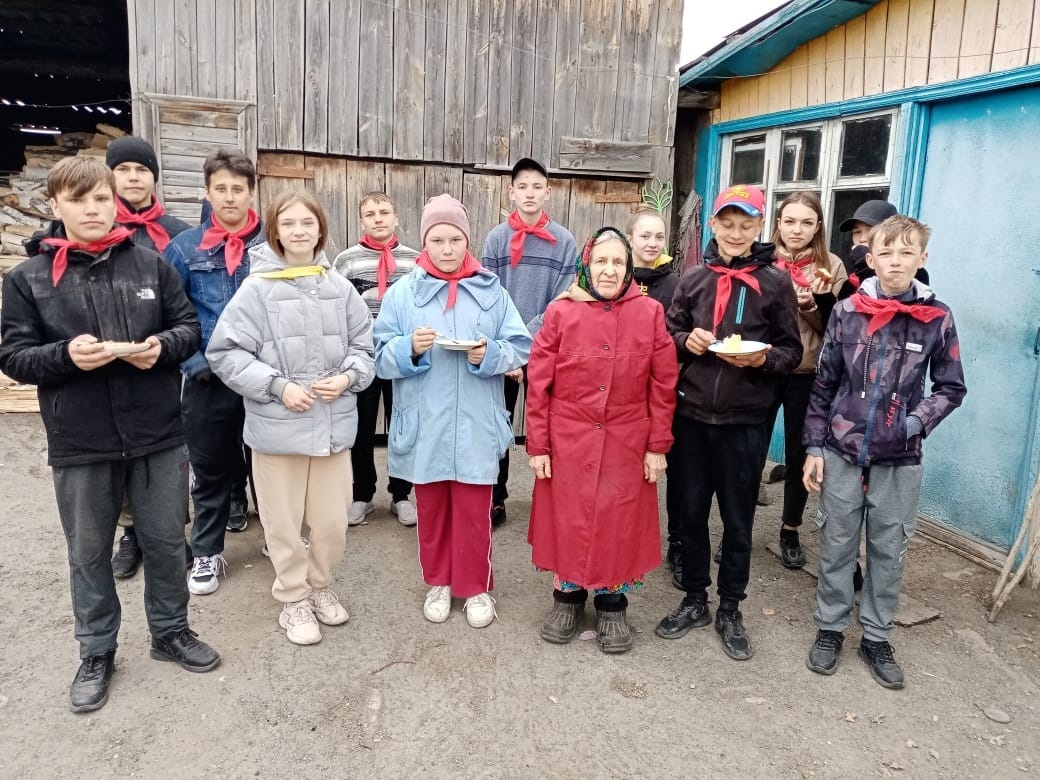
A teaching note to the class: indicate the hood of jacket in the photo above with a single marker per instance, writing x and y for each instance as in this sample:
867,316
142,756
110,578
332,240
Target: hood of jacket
922,292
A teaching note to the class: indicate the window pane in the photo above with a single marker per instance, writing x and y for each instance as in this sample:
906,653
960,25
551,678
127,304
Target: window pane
749,160
864,146
800,159
845,204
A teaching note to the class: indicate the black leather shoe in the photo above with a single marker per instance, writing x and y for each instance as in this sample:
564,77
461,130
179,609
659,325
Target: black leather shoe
735,641
823,655
183,647
792,556
562,622
689,614
881,659
614,635
127,558
89,689
498,515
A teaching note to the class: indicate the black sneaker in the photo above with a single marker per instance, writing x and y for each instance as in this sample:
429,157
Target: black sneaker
614,635
823,655
498,515
792,556
183,647
691,613
128,557
237,520
562,622
881,659
89,689
735,641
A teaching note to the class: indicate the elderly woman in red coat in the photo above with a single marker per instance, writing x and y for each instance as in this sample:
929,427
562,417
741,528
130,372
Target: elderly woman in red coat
601,392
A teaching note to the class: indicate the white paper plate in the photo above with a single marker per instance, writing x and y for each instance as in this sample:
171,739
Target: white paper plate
746,347
119,348
460,345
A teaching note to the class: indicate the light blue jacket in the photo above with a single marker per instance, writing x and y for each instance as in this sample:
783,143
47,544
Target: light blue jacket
450,420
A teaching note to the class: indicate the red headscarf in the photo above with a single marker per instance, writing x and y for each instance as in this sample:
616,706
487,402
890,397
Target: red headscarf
882,311
61,258
149,219
521,230
469,266
724,287
387,264
234,246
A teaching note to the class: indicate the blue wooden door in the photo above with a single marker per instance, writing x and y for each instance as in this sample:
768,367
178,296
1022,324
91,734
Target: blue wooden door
982,171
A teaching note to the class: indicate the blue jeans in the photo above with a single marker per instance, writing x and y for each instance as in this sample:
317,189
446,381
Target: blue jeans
90,498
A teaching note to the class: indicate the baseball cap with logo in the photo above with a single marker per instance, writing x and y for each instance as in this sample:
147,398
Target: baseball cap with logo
748,199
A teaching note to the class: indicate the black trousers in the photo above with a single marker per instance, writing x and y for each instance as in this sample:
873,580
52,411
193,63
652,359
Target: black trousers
724,461
362,454
501,490
794,397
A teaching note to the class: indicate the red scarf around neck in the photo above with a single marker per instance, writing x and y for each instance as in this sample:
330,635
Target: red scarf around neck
724,286
148,219
794,267
521,230
883,310
61,258
469,266
234,246
387,264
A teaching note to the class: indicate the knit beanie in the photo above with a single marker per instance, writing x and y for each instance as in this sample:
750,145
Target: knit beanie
444,210
130,148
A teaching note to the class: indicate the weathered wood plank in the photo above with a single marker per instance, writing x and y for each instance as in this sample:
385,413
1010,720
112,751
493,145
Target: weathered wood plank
197,134
855,33
188,148
270,186
288,73
1011,41
315,69
225,41
624,196
184,178
666,72
165,19
264,168
559,203
613,195
635,85
478,23
500,54
874,42
817,71
441,179
976,52
834,87
266,98
344,76
183,162
205,45
603,155
407,186
481,195
375,94
896,43
523,72
457,56
434,83
329,177
947,22
136,39
544,82
585,215
918,43
409,80
800,77
568,32
185,61
190,194
246,65
362,176
597,69
200,118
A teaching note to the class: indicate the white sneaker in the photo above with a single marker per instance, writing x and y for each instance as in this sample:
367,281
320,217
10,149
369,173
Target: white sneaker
358,511
203,578
437,606
480,610
327,608
297,619
405,511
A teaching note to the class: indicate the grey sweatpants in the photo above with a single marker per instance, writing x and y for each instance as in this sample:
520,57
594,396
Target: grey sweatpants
888,510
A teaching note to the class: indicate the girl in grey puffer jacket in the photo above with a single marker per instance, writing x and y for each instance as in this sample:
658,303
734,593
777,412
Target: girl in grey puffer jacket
296,343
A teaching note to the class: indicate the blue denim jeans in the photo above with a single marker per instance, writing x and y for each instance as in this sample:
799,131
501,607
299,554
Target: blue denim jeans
89,498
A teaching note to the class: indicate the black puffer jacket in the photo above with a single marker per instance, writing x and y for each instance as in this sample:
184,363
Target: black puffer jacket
657,283
170,224
710,389
125,294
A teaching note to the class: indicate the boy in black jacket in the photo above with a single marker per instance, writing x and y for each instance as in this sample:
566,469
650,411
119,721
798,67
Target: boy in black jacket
100,325
724,411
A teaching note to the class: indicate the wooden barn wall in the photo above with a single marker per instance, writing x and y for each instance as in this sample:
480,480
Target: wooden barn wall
474,82
896,44
582,205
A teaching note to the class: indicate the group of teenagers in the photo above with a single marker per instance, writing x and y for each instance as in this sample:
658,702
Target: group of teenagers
239,348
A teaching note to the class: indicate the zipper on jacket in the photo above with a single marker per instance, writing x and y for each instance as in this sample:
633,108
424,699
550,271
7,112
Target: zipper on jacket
740,305
875,397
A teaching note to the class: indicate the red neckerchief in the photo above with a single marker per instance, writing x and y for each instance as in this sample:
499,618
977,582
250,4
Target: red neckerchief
61,258
521,230
854,280
149,219
234,246
469,267
882,310
794,267
724,287
387,264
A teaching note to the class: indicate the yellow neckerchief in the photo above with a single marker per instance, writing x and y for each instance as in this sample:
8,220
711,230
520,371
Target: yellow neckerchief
292,272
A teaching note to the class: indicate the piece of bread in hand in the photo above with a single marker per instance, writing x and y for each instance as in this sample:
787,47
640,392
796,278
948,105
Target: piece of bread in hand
823,273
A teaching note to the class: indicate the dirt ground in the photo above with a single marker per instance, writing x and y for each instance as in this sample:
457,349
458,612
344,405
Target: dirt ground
391,695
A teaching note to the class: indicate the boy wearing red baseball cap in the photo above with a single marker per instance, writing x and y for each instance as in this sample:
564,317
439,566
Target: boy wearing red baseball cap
724,410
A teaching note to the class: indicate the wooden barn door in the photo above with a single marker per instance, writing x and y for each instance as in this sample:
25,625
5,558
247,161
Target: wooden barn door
184,131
